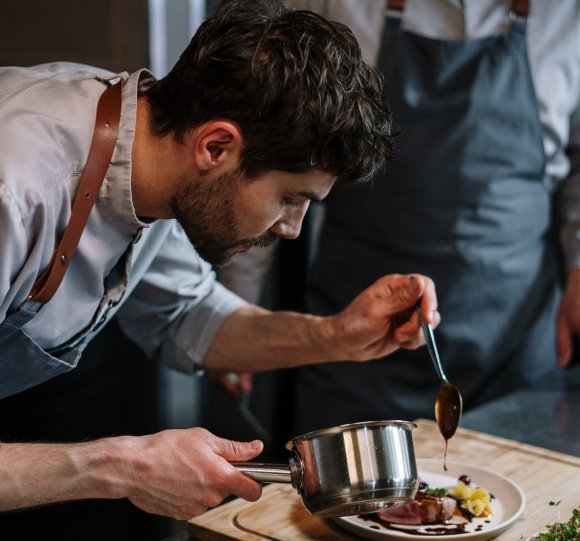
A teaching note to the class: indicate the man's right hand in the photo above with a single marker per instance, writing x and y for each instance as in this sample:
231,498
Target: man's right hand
174,473
182,473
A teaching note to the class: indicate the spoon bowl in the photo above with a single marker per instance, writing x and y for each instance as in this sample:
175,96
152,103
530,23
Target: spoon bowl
448,408
449,403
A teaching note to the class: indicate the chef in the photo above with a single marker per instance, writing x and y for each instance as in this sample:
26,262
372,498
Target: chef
224,153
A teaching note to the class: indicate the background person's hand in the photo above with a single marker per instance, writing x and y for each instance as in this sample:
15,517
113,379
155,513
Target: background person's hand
239,385
236,384
383,317
568,321
182,473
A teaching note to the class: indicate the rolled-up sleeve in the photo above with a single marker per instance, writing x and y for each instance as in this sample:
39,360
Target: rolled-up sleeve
177,307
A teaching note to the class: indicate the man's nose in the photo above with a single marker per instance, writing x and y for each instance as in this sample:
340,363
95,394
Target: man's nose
290,223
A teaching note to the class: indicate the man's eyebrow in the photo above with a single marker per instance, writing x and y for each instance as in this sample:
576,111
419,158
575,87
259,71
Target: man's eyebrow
312,196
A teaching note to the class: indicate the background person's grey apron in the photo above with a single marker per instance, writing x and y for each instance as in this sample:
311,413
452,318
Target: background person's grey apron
465,204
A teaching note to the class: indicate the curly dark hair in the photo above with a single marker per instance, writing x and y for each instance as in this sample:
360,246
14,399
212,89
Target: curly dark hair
294,82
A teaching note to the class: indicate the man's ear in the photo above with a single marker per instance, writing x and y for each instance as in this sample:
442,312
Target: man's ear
216,144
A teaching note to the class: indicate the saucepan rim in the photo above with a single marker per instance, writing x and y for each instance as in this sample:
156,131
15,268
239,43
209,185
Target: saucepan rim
340,429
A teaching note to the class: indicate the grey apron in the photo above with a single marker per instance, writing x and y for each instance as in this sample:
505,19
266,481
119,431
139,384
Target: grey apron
465,204
23,363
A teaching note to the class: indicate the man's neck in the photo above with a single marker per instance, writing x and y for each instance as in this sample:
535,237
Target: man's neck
155,167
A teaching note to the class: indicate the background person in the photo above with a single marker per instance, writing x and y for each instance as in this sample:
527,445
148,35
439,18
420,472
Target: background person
487,101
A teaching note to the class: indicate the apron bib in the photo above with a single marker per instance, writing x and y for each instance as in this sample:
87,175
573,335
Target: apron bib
24,363
465,203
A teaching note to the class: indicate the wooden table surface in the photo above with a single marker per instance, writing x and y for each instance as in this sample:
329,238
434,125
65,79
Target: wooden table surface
279,515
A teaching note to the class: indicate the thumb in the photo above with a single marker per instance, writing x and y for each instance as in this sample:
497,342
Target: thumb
407,294
238,451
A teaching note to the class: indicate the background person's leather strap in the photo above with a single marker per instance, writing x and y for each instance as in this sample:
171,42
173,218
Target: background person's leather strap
100,153
521,8
397,5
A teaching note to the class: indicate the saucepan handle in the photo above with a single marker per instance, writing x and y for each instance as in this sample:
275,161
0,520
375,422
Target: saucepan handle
266,473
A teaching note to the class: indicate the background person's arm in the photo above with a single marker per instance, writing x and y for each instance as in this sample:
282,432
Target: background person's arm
569,209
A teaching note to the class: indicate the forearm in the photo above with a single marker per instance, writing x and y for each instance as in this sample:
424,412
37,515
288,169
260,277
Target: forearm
378,321
255,339
33,474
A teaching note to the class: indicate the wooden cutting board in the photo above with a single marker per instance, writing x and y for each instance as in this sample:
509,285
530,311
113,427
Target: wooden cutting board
279,515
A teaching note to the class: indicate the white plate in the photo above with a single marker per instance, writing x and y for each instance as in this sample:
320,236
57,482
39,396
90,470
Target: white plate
507,505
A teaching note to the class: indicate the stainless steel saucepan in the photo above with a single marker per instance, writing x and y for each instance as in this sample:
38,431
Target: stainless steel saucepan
347,470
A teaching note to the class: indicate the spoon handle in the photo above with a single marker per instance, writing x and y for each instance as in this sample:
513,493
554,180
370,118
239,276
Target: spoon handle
432,347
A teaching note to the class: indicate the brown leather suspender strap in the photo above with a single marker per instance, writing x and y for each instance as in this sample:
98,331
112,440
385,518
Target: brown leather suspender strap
397,5
100,153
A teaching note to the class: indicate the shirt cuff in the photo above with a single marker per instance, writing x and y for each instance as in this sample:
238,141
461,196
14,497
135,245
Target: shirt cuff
203,322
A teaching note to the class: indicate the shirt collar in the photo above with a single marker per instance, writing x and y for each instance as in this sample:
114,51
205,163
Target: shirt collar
116,191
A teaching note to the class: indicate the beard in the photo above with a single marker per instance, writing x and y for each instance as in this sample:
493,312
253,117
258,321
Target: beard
205,211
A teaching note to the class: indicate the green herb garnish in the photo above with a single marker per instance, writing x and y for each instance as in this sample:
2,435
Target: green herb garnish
563,531
437,492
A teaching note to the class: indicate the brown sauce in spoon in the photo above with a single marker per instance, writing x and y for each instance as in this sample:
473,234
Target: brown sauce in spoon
448,407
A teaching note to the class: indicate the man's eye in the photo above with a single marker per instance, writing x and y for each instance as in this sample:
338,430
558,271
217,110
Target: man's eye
292,202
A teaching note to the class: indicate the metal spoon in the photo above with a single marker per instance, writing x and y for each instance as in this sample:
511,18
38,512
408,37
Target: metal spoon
449,404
